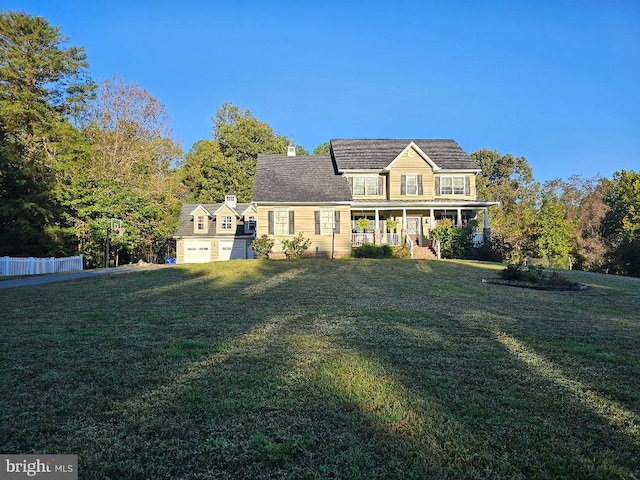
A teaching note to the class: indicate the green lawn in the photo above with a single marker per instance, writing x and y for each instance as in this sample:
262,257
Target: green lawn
324,369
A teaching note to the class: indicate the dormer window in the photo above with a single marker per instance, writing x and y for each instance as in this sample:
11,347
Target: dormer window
200,223
226,222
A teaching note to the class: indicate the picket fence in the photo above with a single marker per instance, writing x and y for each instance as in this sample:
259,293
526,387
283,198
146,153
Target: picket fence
10,266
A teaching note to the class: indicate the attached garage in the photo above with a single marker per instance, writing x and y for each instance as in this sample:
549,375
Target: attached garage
197,251
232,249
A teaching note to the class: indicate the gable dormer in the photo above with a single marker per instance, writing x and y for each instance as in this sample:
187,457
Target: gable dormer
200,217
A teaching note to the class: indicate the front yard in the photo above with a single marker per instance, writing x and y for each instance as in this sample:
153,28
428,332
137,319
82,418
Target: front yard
324,369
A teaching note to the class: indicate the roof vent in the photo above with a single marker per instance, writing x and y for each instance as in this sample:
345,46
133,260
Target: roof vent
291,151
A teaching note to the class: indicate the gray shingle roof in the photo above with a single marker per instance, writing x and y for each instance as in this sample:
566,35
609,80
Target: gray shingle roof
185,221
302,178
365,154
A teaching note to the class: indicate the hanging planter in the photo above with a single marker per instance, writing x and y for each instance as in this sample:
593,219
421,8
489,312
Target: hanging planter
363,223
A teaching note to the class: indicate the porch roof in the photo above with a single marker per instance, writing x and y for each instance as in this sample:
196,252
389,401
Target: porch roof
421,204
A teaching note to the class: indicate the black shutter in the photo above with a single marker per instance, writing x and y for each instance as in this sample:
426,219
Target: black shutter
337,221
380,185
437,185
420,185
467,186
291,224
270,227
403,185
316,215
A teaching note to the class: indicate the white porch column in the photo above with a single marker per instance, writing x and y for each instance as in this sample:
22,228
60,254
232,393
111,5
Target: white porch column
377,236
432,219
377,219
487,229
404,219
459,218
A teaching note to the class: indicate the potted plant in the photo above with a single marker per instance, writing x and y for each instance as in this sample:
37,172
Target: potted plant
391,225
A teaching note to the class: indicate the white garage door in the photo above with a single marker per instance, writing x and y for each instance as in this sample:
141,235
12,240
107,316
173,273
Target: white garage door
232,249
197,251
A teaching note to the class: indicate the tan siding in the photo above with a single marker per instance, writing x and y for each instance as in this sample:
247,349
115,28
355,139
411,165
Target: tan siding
215,250
409,165
180,251
304,219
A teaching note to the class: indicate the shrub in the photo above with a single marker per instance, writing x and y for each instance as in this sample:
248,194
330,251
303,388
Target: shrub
454,242
295,247
369,250
262,246
534,274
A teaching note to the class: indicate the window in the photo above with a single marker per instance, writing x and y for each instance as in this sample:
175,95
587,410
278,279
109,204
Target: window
226,223
327,218
366,185
281,222
200,223
251,223
412,184
452,186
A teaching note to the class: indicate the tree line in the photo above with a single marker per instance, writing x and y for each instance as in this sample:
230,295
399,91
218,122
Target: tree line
74,154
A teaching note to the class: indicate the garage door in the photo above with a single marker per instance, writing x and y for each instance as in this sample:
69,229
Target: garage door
232,249
197,251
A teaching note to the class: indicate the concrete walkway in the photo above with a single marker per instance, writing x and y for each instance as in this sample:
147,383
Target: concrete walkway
62,277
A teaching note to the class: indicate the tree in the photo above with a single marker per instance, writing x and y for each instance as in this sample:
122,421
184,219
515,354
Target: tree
590,245
128,174
228,162
555,231
509,180
208,174
584,209
322,149
621,224
43,87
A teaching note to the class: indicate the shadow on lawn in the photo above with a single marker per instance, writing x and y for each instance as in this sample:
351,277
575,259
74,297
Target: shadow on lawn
361,370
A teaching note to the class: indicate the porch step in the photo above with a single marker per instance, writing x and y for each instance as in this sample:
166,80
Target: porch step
423,253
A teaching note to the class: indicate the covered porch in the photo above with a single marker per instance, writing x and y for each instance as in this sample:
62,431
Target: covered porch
392,222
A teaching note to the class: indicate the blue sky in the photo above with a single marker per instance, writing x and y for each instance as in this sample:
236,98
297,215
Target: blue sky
554,81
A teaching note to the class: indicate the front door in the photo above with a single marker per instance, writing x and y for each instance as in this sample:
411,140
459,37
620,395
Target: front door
413,229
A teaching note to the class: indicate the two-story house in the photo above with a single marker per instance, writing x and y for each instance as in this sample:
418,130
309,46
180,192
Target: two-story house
215,231
403,188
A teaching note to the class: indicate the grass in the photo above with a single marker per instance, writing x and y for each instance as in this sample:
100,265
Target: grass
350,369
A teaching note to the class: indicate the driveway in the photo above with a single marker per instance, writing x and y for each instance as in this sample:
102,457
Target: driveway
61,277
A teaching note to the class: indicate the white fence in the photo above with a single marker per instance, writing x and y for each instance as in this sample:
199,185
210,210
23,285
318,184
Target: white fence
10,266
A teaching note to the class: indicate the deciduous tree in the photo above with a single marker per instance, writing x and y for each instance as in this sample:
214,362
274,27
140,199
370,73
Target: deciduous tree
509,180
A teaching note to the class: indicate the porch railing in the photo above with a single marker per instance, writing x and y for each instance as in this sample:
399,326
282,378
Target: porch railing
409,244
361,238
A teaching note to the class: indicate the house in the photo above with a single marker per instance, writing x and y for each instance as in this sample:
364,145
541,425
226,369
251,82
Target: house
403,188
218,231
